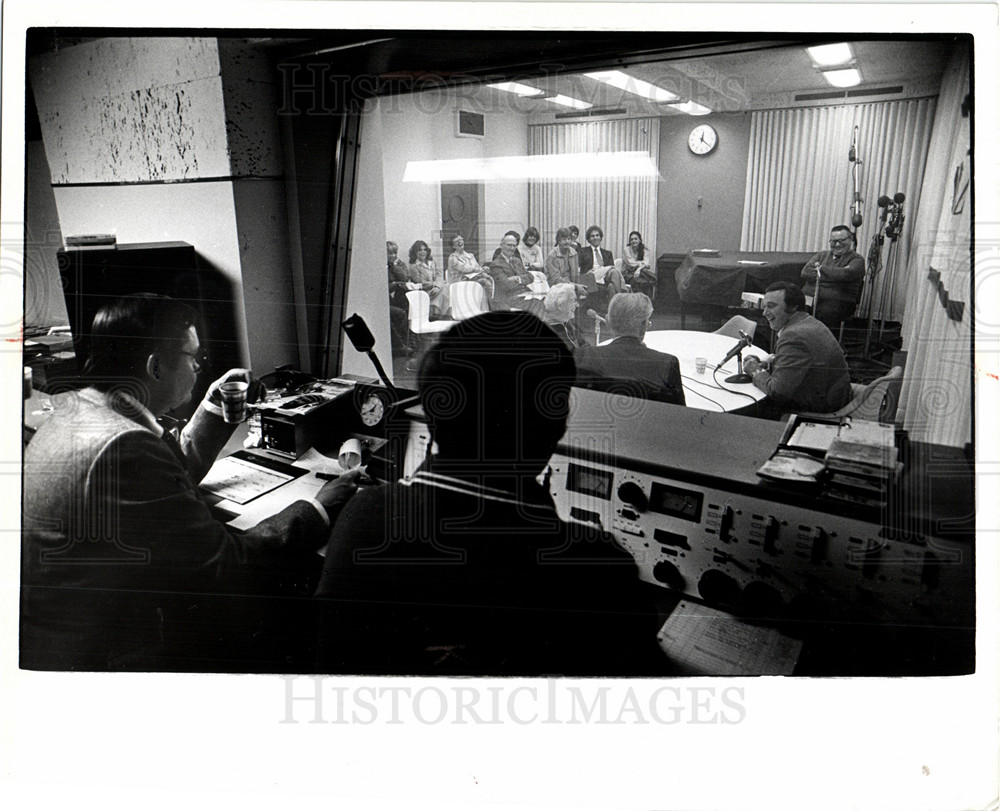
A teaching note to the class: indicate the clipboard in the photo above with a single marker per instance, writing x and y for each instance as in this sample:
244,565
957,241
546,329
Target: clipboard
243,476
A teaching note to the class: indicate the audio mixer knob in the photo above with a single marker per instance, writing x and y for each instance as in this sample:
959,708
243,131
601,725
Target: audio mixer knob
718,587
632,493
665,572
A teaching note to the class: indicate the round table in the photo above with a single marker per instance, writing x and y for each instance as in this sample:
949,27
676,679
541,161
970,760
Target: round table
707,391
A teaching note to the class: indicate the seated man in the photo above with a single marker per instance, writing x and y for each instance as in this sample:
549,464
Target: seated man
399,305
838,275
467,569
627,360
511,280
808,371
123,565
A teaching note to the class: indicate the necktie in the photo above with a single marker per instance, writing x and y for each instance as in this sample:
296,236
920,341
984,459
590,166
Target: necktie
597,258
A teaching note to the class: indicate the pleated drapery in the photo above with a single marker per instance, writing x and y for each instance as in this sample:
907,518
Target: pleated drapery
617,205
800,181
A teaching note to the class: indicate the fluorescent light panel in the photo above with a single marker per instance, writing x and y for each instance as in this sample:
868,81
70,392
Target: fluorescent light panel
630,84
691,108
517,87
846,77
825,56
573,166
569,101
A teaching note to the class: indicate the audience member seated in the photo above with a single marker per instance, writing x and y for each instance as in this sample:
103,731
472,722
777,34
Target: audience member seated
124,567
511,280
560,312
600,261
399,306
530,251
563,264
626,364
574,234
808,370
463,267
637,269
517,239
467,569
429,277
838,276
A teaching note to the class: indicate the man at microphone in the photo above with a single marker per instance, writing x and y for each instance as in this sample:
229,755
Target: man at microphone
626,364
838,275
808,370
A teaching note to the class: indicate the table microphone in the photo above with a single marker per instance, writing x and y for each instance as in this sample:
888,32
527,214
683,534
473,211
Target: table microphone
745,340
597,317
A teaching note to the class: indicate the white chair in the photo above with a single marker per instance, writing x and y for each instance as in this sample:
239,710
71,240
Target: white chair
731,329
420,323
467,299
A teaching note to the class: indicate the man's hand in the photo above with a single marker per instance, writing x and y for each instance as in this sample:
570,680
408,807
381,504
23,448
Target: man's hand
752,364
257,391
335,494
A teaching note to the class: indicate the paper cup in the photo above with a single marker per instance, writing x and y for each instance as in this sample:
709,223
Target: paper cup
700,364
234,400
350,454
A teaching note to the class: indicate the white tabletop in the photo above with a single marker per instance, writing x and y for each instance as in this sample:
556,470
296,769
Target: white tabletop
708,391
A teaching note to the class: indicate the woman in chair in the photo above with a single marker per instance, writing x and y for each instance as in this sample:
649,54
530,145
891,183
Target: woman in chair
424,272
636,268
531,251
560,312
463,267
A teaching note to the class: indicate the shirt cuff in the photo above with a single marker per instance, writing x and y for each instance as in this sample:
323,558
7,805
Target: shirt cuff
211,407
321,510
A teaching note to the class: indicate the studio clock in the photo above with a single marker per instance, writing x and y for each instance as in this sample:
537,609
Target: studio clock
702,139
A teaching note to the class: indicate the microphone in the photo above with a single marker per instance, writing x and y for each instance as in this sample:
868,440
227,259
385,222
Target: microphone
883,201
856,220
745,341
898,198
596,317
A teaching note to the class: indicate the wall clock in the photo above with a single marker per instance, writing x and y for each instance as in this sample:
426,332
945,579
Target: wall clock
702,139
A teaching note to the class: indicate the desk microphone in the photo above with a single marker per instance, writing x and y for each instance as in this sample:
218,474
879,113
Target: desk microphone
597,317
745,340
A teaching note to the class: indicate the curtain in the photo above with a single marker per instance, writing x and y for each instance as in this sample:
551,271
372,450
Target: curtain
618,206
936,398
800,182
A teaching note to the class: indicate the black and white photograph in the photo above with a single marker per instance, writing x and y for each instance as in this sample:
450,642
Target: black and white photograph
664,446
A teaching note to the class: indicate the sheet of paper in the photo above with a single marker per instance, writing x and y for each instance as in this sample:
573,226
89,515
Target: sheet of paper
814,435
240,481
705,641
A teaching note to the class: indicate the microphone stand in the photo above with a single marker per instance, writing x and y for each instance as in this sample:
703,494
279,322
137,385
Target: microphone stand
740,376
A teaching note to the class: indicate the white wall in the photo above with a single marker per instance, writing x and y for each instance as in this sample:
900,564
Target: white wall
421,127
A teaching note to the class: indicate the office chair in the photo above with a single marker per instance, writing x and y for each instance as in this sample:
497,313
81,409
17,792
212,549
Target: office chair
876,402
467,299
731,329
421,325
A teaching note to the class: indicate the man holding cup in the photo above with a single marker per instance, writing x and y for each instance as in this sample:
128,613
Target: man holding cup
123,565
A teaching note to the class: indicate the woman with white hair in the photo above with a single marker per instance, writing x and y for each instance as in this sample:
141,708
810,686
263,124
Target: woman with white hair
560,309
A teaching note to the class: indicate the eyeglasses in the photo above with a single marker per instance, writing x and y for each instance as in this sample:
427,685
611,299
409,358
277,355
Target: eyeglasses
844,241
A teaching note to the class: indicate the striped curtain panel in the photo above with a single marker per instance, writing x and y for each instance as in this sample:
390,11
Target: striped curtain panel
936,399
618,206
800,182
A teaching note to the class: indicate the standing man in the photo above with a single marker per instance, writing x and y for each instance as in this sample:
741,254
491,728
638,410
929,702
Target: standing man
838,274
123,565
808,370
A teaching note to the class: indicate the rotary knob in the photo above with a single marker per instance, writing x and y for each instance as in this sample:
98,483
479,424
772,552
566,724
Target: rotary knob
669,575
632,493
718,587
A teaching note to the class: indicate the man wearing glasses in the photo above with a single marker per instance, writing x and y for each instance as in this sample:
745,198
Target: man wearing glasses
834,279
123,565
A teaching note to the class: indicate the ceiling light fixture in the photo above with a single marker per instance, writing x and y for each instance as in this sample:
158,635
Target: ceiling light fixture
516,87
845,77
569,101
630,84
691,108
826,56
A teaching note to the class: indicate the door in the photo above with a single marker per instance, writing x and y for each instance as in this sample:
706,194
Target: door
460,204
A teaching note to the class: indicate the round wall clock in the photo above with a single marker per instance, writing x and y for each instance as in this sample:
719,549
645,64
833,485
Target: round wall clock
702,139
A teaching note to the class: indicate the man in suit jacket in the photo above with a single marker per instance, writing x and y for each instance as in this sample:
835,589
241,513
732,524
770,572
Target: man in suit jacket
627,364
511,280
594,256
839,274
123,565
808,371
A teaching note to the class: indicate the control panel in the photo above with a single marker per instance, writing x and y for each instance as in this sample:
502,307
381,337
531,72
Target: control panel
759,557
